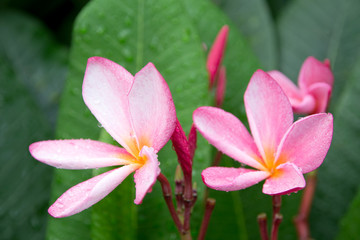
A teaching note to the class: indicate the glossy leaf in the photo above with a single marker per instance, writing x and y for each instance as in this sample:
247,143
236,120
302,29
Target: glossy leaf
32,70
349,225
254,20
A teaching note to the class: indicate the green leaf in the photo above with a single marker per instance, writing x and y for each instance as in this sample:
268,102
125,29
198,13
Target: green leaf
253,19
39,63
32,70
349,225
328,29
132,33
348,120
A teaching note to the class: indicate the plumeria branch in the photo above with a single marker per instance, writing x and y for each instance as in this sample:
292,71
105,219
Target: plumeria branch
181,147
301,220
166,189
275,226
209,207
262,221
277,217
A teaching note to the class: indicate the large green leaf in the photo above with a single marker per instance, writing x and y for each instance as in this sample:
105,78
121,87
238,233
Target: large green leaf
328,29
253,19
131,33
32,70
344,147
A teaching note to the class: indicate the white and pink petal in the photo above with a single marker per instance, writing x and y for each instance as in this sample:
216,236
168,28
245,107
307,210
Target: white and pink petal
268,110
307,142
231,179
86,194
227,134
105,91
152,108
79,154
145,177
287,179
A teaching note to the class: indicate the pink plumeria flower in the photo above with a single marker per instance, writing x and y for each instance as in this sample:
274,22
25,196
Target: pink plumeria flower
216,54
281,151
315,85
138,112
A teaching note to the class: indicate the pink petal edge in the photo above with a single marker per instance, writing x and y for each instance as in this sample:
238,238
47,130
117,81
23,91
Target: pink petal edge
289,88
79,154
313,71
288,179
224,131
145,177
321,93
307,141
231,179
105,89
268,110
152,108
86,194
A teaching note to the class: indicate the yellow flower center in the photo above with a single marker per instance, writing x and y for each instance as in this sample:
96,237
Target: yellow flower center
269,164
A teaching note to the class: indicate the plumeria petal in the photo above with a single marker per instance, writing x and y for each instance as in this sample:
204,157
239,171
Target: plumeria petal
307,141
216,53
152,108
301,102
105,89
321,92
79,154
290,89
145,177
269,112
86,194
288,178
306,105
228,134
313,71
231,179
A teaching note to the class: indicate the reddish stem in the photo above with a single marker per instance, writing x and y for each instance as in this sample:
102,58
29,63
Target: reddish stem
301,220
275,226
276,199
209,207
277,217
166,189
262,221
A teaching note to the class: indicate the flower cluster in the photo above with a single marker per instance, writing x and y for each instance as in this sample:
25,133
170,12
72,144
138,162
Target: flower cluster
139,113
